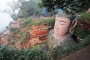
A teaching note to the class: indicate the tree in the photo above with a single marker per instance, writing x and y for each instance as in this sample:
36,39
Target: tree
70,6
24,8
13,7
29,8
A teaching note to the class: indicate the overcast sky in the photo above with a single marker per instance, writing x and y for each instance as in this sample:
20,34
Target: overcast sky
4,17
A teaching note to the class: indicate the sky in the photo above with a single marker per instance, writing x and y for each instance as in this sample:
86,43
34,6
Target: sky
4,17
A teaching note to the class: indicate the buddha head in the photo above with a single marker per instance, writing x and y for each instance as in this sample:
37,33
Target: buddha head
64,24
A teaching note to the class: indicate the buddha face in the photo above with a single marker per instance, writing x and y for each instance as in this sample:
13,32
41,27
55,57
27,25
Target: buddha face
61,26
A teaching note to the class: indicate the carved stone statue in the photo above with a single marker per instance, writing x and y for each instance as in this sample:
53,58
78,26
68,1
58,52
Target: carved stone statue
63,29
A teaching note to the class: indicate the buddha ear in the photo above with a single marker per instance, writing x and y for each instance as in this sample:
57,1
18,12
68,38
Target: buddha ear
74,23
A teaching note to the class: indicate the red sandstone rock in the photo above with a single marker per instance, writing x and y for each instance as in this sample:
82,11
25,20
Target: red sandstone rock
3,41
38,34
87,26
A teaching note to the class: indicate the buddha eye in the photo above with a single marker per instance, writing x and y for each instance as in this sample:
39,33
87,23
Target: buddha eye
62,21
61,24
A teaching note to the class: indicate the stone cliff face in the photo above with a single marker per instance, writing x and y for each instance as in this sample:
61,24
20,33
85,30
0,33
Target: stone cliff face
28,33
38,35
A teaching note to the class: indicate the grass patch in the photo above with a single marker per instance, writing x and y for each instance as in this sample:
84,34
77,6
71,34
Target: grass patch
29,23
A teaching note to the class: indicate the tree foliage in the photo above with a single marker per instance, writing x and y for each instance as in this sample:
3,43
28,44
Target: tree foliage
70,6
29,8
23,8
13,7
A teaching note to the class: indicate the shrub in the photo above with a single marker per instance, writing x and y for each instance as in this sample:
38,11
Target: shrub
26,22
27,54
14,30
39,54
24,36
8,54
49,21
85,17
81,32
36,55
83,28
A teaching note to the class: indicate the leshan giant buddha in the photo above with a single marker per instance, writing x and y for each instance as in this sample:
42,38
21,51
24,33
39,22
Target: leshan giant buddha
63,29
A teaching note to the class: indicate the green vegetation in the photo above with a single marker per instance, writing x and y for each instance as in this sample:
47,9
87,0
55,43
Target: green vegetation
40,54
85,17
84,22
49,21
26,22
29,22
82,32
24,36
28,54
26,8
14,30
70,6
